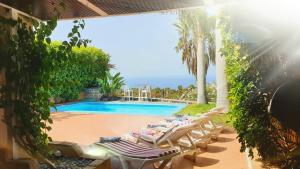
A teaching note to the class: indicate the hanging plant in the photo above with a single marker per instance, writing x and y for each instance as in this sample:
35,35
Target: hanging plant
28,63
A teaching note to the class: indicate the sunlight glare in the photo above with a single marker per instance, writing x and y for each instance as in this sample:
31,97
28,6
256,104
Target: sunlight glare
284,11
95,151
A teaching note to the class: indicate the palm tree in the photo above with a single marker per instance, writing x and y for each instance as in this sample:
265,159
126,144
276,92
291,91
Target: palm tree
196,44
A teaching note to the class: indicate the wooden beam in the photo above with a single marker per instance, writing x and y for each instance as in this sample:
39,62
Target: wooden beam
19,12
93,7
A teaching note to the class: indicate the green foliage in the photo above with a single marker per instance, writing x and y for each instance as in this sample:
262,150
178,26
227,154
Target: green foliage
252,83
80,71
28,65
195,109
211,92
223,119
109,85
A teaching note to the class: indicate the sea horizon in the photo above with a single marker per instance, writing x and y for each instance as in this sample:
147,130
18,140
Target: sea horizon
164,82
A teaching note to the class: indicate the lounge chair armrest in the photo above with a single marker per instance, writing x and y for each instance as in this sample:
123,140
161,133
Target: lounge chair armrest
147,138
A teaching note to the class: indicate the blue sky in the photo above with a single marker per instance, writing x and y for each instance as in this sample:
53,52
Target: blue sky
142,47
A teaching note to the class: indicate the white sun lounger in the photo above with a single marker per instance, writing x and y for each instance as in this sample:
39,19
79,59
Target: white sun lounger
129,151
171,138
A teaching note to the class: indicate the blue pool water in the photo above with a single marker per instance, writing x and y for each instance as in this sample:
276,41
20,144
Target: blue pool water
121,108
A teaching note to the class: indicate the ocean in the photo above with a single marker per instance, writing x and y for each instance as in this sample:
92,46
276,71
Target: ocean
163,82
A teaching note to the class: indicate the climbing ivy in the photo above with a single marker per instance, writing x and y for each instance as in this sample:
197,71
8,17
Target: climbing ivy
28,63
254,73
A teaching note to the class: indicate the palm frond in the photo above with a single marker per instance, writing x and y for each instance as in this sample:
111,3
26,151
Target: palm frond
194,25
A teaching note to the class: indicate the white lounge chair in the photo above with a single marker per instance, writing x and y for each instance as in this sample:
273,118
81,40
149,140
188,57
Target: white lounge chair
146,93
129,151
206,129
171,137
127,93
212,127
199,135
206,124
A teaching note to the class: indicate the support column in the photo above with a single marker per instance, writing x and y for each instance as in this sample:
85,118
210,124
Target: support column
201,73
221,80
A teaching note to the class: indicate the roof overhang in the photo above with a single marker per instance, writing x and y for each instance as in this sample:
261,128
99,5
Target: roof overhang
43,9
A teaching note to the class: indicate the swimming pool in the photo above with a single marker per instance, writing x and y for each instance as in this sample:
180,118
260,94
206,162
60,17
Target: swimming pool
121,108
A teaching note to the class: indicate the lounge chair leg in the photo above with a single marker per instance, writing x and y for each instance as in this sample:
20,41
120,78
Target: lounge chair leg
164,163
191,141
170,143
142,165
191,157
123,163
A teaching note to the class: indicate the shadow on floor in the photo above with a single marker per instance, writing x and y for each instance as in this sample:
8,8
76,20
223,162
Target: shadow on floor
64,116
182,163
263,165
204,162
228,131
116,164
178,163
214,149
224,139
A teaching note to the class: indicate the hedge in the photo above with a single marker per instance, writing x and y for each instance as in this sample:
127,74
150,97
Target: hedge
80,71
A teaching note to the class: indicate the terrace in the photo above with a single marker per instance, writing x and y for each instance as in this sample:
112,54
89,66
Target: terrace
257,79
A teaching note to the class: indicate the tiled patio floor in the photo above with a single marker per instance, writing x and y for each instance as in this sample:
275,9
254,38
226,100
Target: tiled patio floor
86,129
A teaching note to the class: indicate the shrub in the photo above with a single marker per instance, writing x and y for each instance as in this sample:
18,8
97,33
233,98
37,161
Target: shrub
80,71
211,92
253,78
110,84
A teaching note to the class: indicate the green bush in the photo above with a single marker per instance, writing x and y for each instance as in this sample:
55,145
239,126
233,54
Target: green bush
110,84
81,70
211,92
252,83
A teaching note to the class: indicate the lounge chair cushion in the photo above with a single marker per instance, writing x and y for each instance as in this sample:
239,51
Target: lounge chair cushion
133,150
214,128
109,139
200,133
153,132
156,125
201,142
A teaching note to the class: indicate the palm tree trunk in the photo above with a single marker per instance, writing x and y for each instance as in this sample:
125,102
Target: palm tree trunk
201,74
222,88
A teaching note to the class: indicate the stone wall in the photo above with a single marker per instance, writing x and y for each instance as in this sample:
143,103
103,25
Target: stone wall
93,93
